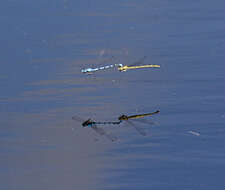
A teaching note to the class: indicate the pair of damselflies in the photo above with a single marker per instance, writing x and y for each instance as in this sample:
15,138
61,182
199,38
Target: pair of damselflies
121,67
123,118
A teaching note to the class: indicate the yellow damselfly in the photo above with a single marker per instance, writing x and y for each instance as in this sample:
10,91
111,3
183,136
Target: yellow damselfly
135,118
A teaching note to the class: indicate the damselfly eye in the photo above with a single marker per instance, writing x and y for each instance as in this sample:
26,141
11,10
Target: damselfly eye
123,117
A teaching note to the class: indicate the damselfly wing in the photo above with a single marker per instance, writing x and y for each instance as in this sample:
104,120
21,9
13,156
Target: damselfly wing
138,129
92,124
138,118
139,62
102,132
108,60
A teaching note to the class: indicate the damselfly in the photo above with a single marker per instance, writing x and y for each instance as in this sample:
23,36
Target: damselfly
91,70
136,65
135,118
121,67
94,125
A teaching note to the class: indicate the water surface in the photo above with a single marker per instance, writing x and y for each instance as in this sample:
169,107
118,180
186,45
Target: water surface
45,44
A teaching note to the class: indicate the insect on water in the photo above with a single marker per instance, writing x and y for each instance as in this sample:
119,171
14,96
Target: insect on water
120,67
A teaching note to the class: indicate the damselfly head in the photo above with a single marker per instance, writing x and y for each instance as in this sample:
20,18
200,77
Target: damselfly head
123,68
123,117
87,123
157,111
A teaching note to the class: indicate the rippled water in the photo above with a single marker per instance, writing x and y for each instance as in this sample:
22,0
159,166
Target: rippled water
45,44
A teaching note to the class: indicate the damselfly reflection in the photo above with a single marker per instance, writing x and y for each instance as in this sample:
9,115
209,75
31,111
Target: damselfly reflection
123,118
121,67
128,119
95,126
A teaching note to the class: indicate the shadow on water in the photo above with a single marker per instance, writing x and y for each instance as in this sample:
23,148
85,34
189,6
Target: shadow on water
98,126
42,87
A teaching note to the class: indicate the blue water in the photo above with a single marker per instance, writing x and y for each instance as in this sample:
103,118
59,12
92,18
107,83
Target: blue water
45,44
